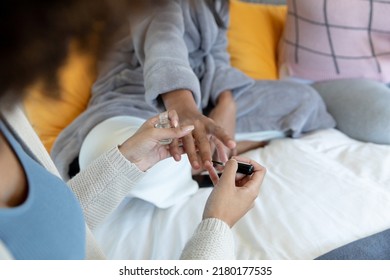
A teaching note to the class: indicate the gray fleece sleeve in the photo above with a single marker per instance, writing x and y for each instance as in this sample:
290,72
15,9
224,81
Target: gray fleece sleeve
226,77
161,49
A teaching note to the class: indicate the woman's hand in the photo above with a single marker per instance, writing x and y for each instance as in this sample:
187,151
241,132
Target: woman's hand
144,148
197,144
233,194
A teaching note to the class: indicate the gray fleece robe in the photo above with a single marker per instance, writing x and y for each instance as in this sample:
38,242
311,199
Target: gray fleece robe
180,46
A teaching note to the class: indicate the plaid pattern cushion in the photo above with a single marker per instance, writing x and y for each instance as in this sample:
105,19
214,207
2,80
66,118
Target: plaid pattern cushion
330,39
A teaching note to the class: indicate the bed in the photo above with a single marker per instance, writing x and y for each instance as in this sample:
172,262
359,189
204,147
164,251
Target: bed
322,191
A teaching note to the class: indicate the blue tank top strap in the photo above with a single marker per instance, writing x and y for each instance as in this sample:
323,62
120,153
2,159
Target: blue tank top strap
49,224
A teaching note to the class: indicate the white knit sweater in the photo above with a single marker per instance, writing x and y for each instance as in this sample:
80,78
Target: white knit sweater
102,186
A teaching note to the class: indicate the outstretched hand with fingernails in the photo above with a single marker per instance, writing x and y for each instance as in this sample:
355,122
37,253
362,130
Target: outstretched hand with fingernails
154,140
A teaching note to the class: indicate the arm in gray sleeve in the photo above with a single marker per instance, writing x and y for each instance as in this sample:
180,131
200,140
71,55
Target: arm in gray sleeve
226,77
161,49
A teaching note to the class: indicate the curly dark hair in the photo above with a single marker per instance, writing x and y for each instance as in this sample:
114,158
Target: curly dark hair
35,36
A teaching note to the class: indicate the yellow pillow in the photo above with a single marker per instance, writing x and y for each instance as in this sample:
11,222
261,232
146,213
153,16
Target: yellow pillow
50,116
253,35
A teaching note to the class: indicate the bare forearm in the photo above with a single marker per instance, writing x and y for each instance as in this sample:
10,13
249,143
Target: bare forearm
179,100
224,115
225,96
226,101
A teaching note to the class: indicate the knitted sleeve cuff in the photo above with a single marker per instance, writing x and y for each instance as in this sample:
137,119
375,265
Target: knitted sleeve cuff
213,239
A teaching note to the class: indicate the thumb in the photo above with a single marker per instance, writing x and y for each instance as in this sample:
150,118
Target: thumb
229,172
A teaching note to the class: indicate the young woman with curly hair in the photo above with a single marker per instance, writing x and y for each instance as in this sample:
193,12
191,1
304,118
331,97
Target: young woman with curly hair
41,216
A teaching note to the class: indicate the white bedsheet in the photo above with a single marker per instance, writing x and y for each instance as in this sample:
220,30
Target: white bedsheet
320,192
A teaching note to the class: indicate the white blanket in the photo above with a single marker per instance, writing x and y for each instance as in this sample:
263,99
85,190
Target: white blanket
321,191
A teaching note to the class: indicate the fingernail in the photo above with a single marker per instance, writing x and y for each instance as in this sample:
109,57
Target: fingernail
188,128
232,144
195,165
